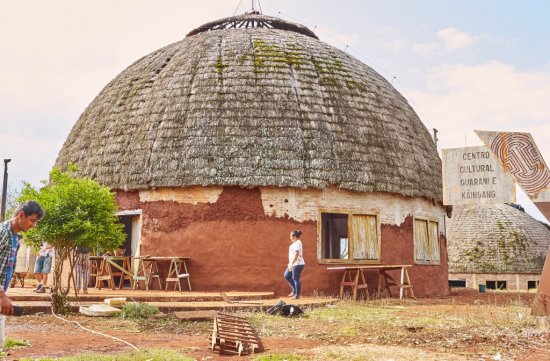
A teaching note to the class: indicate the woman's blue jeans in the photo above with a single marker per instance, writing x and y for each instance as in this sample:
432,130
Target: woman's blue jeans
293,279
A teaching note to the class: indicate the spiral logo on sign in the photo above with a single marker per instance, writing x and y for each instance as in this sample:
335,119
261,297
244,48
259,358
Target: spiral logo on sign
523,160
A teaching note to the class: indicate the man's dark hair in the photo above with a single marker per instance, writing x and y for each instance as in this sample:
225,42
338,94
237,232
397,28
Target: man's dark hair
30,207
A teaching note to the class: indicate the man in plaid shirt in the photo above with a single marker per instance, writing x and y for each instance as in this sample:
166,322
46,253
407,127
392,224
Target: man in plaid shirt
24,218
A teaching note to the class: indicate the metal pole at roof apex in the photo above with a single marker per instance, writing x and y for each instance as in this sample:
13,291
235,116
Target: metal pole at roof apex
4,190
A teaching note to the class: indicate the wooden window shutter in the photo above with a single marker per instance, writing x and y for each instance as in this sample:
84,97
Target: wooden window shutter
434,242
421,238
364,237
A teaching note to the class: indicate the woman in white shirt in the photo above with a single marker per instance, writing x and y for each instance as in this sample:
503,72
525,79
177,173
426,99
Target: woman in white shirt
295,264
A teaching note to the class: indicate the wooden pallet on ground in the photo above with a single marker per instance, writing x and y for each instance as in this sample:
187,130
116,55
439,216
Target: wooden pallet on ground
234,335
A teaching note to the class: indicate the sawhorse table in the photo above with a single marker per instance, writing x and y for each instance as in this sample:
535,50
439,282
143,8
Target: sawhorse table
354,278
147,270
106,272
177,271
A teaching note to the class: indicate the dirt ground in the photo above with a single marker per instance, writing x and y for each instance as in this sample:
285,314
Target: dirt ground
466,325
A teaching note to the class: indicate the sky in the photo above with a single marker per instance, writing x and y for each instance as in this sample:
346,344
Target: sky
462,65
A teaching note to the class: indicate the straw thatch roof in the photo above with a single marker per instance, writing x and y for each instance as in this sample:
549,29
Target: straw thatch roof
495,238
253,106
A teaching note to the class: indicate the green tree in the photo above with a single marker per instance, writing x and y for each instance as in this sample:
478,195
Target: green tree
78,212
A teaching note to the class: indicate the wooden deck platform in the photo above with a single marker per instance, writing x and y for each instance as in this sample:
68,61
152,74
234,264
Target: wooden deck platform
167,301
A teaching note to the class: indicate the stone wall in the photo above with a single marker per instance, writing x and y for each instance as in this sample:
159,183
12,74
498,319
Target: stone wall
514,282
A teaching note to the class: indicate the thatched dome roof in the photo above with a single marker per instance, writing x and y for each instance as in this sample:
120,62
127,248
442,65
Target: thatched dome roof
495,238
253,101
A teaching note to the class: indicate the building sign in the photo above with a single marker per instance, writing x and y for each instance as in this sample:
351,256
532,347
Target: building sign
473,175
521,157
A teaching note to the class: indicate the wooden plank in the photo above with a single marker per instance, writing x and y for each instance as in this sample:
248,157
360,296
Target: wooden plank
388,267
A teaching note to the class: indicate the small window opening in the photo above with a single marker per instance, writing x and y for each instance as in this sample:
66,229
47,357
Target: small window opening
502,285
532,285
491,285
457,283
335,236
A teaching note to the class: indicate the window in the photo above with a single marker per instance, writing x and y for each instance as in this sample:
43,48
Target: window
502,285
496,285
457,283
426,241
532,285
346,236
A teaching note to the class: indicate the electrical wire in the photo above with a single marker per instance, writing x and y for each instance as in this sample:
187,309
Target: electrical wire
92,331
240,1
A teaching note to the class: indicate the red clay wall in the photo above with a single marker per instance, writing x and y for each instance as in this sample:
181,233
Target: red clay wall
233,245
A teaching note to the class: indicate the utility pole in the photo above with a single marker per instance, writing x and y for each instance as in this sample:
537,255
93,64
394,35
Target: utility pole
435,137
4,190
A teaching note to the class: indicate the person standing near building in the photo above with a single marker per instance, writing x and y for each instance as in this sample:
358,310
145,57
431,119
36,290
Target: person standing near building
43,266
82,268
296,264
24,218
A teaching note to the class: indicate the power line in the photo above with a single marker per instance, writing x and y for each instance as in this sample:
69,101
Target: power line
240,1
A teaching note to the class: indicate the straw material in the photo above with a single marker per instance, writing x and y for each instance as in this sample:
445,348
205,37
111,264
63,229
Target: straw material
495,238
253,107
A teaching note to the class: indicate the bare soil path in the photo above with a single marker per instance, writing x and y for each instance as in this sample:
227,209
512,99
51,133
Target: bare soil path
464,326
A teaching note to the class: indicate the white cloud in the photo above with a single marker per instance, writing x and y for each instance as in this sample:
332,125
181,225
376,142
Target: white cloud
454,39
490,96
426,48
396,46
334,38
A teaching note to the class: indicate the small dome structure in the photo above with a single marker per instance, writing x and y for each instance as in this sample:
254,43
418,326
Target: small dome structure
254,100
496,238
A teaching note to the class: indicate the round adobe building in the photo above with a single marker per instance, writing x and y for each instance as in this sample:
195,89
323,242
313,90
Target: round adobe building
496,245
219,145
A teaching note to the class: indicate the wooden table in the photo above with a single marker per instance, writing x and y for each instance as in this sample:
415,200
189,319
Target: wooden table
354,277
110,268
148,268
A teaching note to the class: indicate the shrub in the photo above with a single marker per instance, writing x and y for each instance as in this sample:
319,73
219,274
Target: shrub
135,311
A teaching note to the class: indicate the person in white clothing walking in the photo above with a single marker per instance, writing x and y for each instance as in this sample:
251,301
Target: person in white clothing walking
295,265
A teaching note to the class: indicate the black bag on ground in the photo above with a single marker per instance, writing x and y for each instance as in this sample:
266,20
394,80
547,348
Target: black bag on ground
284,309
275,310
291,310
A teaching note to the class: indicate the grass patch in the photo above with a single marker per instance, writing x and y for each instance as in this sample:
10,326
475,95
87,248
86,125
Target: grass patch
12,343
140,355
135,311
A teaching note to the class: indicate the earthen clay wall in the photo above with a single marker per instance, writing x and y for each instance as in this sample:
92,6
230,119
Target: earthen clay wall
238,238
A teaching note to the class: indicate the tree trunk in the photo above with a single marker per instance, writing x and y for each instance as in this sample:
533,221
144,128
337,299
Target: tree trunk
60,304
